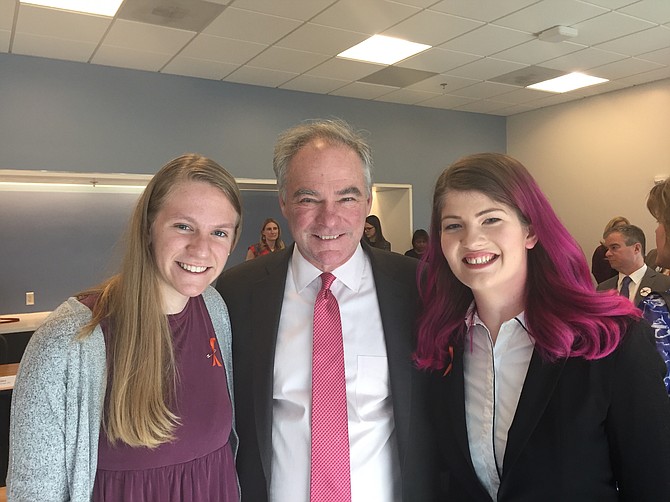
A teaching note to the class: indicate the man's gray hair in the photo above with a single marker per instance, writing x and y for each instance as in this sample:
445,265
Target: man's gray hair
334,132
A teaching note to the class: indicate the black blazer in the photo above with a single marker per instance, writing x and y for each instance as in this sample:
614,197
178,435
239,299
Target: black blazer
254,292
580,429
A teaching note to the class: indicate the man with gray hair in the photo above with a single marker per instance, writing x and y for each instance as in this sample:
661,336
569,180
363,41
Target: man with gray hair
346,422
625,252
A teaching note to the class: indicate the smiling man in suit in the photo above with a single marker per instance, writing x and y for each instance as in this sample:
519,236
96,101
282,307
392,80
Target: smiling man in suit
626,251
323,171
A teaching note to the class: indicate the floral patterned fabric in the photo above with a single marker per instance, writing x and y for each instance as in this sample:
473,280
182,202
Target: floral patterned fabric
655,311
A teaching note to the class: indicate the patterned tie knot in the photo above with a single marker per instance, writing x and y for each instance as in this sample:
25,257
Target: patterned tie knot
625,286
326,280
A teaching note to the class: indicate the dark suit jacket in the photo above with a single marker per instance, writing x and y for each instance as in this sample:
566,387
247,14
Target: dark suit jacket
580,429
653,280
254,294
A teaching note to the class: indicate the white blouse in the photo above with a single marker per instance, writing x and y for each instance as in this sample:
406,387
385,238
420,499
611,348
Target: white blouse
494,376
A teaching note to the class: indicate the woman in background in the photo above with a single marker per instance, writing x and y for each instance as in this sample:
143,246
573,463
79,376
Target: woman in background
270,240
125,392
600,266
542,389
373,235
419,244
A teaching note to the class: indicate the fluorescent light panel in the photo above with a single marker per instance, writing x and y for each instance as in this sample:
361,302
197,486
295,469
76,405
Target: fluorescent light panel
383,49
568,82
99,7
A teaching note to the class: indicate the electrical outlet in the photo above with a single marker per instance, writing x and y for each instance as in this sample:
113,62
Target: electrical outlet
30,298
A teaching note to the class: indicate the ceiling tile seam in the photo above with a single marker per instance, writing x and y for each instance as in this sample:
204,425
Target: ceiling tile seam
104,35
15,21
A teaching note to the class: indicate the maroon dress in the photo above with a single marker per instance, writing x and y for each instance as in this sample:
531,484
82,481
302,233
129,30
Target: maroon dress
198,465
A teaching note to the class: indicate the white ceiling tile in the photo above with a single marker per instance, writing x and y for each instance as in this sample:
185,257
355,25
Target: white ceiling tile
583,60
514,110
432,28
640,42
446,101
482,10
260,76
146,37
51,47
661,56
224,50
201,68
344,69
485,68
61,24
5,37
520,95
407,96
7,8
656,11
128,58
294,9
362,90
536,51
483,90
416,3
607,27
278,58
321,39
437,60
650,76
487,40
371,16
624,68
251,26
611,4
548,13
442,83
310,83
482,106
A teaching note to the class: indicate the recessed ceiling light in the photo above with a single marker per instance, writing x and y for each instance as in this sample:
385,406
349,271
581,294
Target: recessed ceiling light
568,82
99,7
382,49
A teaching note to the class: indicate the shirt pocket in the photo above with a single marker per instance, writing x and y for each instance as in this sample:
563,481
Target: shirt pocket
372,387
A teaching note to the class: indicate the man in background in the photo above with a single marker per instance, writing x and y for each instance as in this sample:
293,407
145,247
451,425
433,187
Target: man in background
625,252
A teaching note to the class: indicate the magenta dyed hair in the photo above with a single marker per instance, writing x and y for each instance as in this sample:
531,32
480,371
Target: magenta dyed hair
564,314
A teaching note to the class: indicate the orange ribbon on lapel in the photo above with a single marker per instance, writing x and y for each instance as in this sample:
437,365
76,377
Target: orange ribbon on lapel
215,360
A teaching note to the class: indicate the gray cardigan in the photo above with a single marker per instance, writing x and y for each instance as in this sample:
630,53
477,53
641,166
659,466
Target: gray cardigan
57,404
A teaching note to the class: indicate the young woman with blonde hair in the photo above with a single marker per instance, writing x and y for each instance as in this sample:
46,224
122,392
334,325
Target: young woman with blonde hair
125,392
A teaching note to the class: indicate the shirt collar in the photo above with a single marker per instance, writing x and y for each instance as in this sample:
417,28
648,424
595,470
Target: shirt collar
472,319
635,276
349,273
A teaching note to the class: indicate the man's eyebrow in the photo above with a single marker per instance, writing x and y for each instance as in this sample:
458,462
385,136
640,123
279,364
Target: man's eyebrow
304,191
352,190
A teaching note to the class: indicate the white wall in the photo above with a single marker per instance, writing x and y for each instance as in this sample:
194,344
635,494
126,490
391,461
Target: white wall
597,157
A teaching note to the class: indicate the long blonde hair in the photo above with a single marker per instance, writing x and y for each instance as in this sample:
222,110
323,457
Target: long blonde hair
140,357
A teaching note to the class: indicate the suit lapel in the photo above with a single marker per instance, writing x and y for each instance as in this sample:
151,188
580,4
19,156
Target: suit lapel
267,298
538,389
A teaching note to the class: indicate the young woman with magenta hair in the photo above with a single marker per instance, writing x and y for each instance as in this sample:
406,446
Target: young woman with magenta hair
541,388
126,392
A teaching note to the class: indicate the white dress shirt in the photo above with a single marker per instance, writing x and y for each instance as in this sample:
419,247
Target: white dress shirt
375,472
636,279
494,376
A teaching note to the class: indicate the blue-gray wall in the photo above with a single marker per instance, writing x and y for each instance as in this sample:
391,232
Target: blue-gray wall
66,116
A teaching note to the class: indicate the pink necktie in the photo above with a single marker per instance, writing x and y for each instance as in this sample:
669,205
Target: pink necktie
330,473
